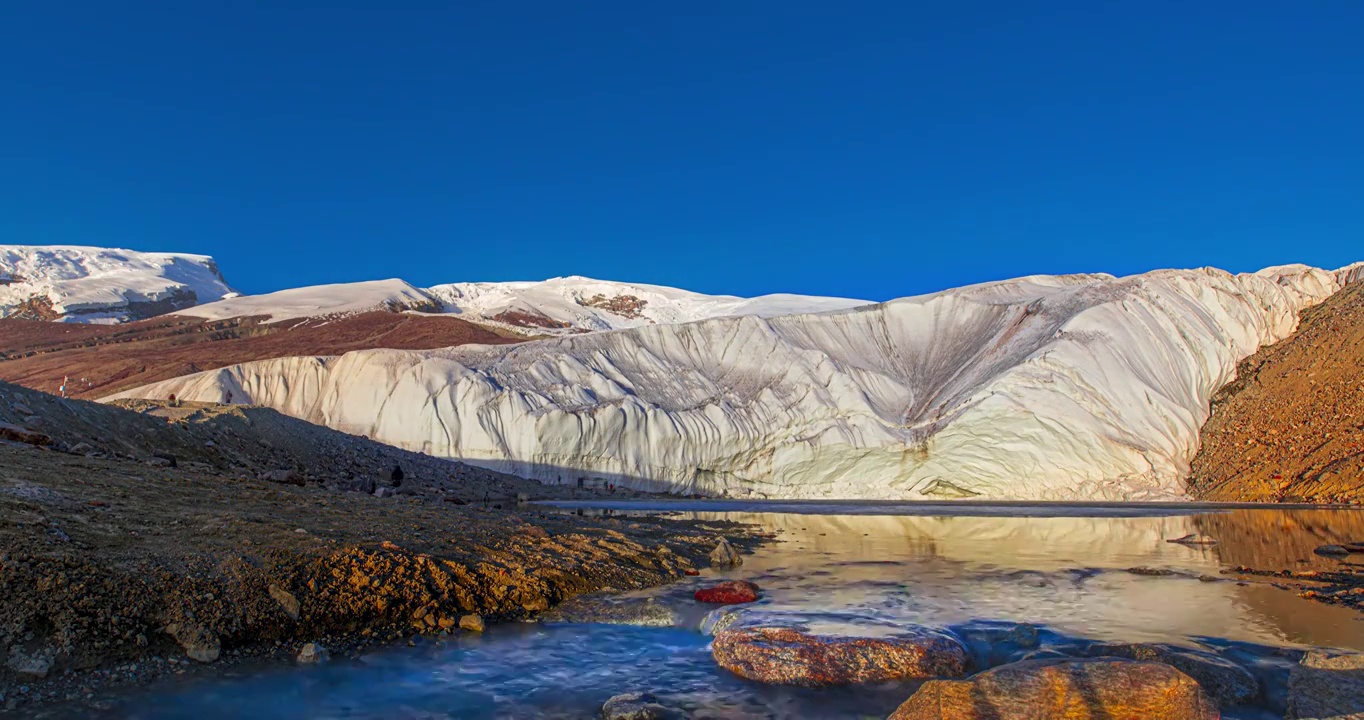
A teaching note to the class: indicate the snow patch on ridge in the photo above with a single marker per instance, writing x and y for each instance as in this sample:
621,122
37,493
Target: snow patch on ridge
320,301
1046,387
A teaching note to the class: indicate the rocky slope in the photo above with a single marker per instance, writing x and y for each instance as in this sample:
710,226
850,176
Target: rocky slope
102,359
1067,387
102,285
1291,427
117,567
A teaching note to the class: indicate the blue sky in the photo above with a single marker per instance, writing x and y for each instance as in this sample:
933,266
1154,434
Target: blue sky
860,149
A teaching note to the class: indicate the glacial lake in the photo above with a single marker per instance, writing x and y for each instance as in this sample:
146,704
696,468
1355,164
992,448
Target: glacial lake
1064,568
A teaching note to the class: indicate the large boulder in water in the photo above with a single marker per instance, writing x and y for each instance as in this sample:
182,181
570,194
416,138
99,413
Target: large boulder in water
1090,689
1227,682
814,653
1327,686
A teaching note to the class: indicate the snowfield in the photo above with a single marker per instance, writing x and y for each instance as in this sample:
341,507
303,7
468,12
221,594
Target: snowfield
319,301
1078,387
102,285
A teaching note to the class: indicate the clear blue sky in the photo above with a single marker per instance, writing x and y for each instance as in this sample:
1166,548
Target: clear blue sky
844,148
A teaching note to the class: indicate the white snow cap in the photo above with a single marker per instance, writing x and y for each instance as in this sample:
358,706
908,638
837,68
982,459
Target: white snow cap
102,285
559,306
1075,387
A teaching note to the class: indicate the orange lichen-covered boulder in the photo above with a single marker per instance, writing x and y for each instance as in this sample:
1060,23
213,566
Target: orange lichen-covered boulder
787,655
1097,689
730,592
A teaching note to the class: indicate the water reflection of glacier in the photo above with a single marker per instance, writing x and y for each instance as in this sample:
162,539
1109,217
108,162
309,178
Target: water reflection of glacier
1069,573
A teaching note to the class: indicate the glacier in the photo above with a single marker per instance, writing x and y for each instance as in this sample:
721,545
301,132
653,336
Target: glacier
103,285
1073,387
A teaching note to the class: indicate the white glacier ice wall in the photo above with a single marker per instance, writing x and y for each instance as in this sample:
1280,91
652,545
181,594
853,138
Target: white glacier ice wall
1067,387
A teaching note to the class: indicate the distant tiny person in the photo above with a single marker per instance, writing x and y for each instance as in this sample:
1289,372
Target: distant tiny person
171,401
229,398
397,475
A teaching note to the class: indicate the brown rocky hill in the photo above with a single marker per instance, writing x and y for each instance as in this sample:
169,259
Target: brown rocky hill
101,360
1291,427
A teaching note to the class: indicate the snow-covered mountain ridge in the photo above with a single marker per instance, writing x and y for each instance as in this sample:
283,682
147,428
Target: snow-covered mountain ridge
89,284
558,306
1046,387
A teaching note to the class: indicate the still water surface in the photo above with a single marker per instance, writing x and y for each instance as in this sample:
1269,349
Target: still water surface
1062,567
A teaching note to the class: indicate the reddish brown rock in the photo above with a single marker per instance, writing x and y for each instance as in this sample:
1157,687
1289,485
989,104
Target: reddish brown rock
1099,689
730,592
787,656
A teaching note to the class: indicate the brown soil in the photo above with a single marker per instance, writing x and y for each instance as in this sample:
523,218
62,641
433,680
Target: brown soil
113,358
116,572
1291,427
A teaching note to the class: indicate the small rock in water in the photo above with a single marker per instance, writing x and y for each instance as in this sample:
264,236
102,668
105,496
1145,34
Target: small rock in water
1154,572
724,555
313,654
1195,539
718,619
1332,550
1327,686
1072,689
730,592
635,706
472,623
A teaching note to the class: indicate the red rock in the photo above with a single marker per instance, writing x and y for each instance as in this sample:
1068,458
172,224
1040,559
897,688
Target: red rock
730,592
693,572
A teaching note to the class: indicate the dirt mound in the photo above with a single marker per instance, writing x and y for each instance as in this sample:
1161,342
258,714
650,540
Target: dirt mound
1291,427
102,360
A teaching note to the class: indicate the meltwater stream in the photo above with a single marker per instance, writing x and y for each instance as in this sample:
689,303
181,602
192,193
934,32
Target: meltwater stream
1064,568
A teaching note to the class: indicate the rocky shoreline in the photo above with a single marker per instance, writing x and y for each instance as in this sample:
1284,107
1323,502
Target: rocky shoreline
119,573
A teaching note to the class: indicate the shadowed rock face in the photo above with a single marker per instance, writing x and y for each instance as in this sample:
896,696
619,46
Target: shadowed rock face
790,656
1064,690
